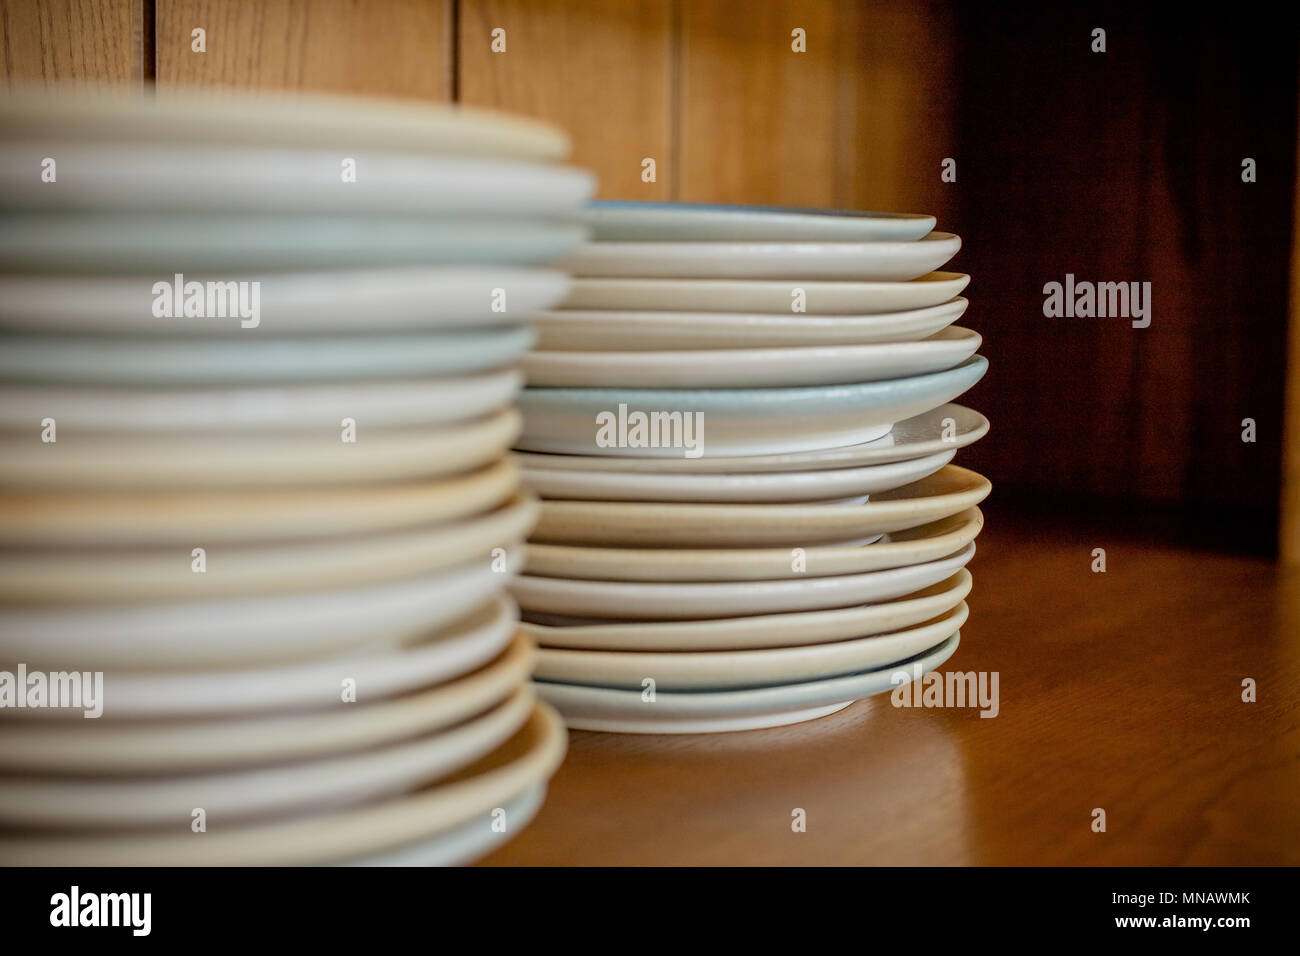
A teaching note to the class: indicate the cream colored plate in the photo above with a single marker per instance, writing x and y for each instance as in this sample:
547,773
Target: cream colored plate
232,632
235,459
724,670
378,671
525,760
323,407
615,330
72,803
674,600
752,368
643,524
71,576
945,428
229,118
179,744
761,487
205,518
469,841
926,542
765,295
240,243
759,631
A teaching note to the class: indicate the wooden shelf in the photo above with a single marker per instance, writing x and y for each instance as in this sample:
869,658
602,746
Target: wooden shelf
1120,690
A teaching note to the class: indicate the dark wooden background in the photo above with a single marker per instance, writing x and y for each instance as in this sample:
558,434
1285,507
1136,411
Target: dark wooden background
1127,166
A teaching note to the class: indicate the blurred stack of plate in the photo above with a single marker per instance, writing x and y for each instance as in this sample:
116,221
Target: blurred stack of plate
739,427
257,388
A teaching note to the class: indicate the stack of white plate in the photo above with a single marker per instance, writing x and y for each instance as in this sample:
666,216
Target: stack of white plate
780,532
257,389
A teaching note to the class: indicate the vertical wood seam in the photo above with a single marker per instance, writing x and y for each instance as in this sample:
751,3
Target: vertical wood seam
1289,483
844,132
147,37
676,83
453,51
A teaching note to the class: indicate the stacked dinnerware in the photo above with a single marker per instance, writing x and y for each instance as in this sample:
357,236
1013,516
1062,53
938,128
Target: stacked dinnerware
740,424
258,380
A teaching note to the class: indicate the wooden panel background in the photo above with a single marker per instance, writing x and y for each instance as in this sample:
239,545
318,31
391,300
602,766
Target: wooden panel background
1289,529
1116,166
603,71
75,42
758,119
1126,166
368,47
897,110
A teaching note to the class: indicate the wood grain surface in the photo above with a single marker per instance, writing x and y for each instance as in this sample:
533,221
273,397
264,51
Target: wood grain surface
603,71
897,105
71,42
1122,166
364,47
1119,690
758,119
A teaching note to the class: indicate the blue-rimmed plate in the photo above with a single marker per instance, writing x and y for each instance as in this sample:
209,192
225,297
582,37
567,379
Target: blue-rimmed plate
658,221
855,261
190,360
618,710
235,245
731,421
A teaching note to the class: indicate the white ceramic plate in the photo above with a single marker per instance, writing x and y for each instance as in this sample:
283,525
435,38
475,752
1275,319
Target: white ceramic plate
236,243
265,119
661,222
677,524
767,259
612,331
376,773
71,576
407,298
737,422
218,459
757,631
149,360
463,646
369,404
184,743
728,670
188,519
752,368
248,630
698,712
169,177
527,759
760,487
945,428
765,295
469,841
927,542
661,600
